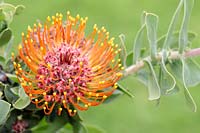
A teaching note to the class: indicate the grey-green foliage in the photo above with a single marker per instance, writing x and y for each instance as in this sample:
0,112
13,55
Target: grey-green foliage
23,100
161,74
5,109
151,22
8,97
7,12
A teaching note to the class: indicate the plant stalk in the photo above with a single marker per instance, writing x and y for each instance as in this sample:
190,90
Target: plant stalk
172,55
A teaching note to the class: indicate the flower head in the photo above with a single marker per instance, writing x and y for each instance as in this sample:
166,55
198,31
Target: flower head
19,126
65,69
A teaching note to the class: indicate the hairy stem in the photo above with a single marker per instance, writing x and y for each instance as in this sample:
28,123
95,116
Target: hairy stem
172,55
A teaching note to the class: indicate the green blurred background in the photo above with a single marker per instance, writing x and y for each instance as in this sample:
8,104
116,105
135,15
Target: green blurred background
125,115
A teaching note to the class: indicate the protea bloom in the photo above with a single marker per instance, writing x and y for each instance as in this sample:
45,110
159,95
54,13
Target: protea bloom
65,69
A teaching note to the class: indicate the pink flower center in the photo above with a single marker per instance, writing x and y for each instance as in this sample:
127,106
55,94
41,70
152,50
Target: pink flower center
64,71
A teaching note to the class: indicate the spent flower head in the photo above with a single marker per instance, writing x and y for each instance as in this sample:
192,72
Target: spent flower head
64,68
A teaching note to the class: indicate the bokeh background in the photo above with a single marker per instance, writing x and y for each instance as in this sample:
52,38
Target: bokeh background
124,114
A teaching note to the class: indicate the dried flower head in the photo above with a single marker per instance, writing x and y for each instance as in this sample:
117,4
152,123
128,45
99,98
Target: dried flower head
65,69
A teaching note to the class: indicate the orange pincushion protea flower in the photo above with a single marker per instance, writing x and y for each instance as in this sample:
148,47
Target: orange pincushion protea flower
66,69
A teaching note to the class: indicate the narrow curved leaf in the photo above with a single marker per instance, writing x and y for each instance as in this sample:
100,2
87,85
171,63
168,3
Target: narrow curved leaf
143,76
4,111
188,96
167,80
181,70
169,35
153,85
138,44
124,90
151,21
138,41
183,37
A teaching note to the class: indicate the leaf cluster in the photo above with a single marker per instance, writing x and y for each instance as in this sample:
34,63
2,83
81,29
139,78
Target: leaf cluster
161,74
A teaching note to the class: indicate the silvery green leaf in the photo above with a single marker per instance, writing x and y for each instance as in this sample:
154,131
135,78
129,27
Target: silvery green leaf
151,21
138,41
181,71
10,96
152,82
138,44
188,96
169,36
22,93
167,80
174,38
21,103
183,37
143,76
191,71
4,111
15,90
